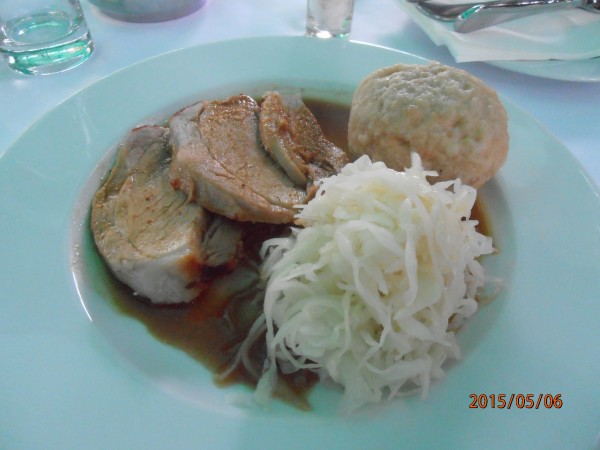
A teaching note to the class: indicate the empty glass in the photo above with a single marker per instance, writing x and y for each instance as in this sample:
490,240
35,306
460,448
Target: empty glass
43,36
329,18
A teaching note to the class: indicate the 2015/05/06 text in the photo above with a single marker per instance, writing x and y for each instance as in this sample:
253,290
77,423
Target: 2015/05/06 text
520,401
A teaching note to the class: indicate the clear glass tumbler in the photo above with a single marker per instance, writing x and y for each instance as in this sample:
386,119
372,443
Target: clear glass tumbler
329,18
43,36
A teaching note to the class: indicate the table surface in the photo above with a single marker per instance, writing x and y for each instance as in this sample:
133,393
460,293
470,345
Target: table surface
565,108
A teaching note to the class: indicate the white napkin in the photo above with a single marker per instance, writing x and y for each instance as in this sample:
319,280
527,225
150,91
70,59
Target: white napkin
566,35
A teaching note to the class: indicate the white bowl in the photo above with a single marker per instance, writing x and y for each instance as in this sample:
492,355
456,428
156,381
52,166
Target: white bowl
147,10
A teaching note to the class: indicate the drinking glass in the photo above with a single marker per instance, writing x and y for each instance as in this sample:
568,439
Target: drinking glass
43,36
329,18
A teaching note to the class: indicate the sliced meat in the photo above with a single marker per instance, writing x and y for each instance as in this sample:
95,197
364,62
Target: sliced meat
151,237
219,161
293,137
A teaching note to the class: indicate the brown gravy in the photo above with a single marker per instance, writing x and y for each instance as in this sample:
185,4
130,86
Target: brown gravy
211,328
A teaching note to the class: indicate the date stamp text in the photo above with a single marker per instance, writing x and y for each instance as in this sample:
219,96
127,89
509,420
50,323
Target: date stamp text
519,401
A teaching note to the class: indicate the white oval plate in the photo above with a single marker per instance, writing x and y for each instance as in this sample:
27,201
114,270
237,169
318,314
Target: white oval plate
586,70
567,54
74,373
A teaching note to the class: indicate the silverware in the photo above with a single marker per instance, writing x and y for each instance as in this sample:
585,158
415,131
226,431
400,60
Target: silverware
445,12
474,16
487,14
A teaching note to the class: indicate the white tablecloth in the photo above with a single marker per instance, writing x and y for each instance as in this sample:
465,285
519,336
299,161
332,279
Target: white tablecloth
566,109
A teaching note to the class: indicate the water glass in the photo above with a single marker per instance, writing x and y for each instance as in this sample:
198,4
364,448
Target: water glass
43,36
329,18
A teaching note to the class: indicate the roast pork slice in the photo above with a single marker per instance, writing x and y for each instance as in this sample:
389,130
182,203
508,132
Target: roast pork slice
293,137
151,237
220,163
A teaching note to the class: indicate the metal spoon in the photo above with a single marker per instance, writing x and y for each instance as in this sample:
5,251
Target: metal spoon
487,14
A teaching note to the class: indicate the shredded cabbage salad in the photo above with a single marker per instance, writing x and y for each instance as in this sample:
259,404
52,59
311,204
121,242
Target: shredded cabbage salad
369,291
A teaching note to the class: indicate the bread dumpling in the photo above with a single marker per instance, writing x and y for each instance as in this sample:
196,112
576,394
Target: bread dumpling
451,119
